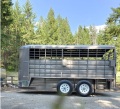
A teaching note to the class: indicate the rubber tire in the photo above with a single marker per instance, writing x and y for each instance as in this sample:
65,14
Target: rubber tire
84,82
67,82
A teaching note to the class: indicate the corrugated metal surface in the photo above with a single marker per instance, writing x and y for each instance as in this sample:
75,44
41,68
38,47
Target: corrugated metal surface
56,68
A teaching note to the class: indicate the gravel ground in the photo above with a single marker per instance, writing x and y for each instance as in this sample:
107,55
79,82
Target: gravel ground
18,99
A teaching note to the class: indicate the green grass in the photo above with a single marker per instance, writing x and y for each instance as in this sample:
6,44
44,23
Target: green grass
12,73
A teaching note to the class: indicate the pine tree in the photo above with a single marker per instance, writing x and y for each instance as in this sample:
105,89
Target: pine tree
6,20
63,32
93,35
82,36
29,24
40,32
67,35
13,42
115,16
50,28
113,30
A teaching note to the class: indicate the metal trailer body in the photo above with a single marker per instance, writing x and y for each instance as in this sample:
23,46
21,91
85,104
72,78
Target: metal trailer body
44,66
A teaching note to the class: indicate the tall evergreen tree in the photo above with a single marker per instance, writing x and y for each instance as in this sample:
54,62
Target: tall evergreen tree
50,28
59,30
67,32
29,24
6,20
101,38
112,30
82,36
115,16
40,32
113,23
93,35
63,32
16,30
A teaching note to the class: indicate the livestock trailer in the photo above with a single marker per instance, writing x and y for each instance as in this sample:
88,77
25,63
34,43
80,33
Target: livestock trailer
67,68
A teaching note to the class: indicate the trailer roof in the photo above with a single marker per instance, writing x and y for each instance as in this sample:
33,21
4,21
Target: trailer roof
70,46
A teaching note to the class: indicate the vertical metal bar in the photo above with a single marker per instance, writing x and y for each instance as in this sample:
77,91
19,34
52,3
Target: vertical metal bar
45,63
114,67
62,53
45,83
11,80
87,61
56,60
104,63
39,62
114,54
28,63
62,61
96,61
51,61
79,64
95,84
34,61
70,63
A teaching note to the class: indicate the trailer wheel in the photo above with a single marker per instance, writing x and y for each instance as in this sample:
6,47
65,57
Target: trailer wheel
84,88
64,87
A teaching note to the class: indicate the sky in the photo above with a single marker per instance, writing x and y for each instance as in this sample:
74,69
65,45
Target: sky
78,12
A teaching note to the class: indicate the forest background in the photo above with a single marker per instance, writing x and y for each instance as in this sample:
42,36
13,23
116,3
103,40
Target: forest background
18,27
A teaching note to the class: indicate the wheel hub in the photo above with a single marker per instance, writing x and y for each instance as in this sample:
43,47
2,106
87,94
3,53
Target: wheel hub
84,88
64,88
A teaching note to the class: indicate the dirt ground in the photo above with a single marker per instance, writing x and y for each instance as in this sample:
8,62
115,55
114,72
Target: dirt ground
14,98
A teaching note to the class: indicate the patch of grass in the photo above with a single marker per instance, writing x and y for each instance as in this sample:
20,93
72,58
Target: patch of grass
12,73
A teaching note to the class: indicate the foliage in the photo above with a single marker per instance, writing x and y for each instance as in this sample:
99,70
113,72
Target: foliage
115,16
28,24
63,32
93,35
6,18
82,36
111,34
53,30
19,28
113,23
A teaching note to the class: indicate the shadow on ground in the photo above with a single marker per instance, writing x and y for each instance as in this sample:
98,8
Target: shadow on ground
102,94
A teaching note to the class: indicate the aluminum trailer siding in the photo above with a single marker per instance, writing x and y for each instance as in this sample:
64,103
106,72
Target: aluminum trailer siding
45,66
